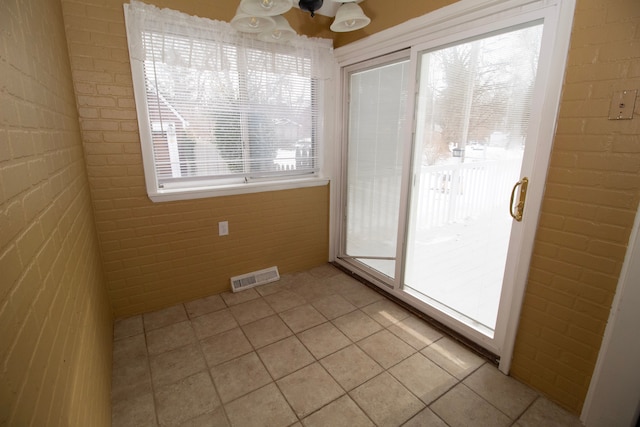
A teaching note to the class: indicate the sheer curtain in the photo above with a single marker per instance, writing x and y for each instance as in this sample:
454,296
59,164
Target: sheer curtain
222,107
142,17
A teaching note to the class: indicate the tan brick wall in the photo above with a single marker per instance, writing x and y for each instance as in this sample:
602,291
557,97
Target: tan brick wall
591,197
55,318
158,254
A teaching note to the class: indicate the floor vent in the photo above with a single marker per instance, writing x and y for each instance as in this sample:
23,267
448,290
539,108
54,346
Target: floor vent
256,278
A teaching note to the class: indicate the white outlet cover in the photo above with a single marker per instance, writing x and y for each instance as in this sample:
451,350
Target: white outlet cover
622,105
223,228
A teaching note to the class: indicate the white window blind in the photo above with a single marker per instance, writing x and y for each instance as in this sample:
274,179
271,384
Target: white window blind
221,107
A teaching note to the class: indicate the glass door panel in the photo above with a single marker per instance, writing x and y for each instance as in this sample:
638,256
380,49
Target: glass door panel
377,100
472,115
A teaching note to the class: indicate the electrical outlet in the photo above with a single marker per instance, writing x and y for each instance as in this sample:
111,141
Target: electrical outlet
223,228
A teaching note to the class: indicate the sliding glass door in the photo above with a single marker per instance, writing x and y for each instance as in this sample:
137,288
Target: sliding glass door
439,147
472,118
377,120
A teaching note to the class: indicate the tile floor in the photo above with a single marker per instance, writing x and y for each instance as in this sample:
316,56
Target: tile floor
316,348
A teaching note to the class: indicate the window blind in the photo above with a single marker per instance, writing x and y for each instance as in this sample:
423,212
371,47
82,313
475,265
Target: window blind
222,109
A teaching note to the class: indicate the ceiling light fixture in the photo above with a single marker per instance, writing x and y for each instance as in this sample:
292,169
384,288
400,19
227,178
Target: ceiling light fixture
264,17
350,17
310,6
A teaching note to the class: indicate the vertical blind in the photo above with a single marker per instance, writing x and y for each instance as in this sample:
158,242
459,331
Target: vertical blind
223,106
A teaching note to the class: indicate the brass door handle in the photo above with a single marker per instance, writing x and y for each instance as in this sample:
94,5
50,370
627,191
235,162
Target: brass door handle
519,208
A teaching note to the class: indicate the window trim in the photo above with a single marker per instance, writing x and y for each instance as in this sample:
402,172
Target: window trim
209,187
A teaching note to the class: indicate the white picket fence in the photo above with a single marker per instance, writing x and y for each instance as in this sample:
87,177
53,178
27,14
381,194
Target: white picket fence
447,194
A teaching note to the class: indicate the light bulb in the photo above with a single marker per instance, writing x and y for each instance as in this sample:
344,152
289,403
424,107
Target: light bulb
276,34
350,23
266,4
254,22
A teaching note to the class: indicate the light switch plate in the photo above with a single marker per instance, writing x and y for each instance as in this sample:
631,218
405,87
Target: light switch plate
622,105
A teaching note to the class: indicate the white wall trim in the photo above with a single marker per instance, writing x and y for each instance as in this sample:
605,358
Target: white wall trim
450,18
613,398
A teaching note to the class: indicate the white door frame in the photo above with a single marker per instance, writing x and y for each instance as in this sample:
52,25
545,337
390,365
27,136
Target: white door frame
454,19
613,398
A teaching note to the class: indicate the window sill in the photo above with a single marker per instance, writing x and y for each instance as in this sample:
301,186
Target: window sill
234,189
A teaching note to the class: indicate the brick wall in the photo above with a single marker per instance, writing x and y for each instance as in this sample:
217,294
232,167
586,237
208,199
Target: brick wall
55,319
591,197
158,254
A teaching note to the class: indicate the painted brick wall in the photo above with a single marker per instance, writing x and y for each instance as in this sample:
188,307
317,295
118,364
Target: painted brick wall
591,197
55,318
158,254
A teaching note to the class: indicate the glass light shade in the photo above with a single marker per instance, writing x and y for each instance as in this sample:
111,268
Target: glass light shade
349,17
252,24
265,7
282,31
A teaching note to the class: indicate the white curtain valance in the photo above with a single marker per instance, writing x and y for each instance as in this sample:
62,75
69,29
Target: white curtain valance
175,38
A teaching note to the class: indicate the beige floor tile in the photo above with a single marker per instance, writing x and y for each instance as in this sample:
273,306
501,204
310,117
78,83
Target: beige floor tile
503,392
386,312
266,331
128,349
362,296
251,311
351,367
130,379
343,283
186,399
309,389
285,357
453,358
225,346
325,271
462,407
301,279
138,411
265,407
172,366
170,337
234,298
302,318
239,376
333,306
213,323
386,401
423,378
284,300
342,412
323,339
356,325
385,348
124,328
217,418
425,418
130,375
273,287
313,290
415,332
164,317
546,413
204,305
423,366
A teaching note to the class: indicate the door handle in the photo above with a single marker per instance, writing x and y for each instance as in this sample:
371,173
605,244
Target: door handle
519,208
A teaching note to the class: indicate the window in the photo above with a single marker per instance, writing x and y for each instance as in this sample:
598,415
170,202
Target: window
221,112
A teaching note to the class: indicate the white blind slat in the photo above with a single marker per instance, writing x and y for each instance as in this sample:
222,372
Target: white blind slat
220,107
